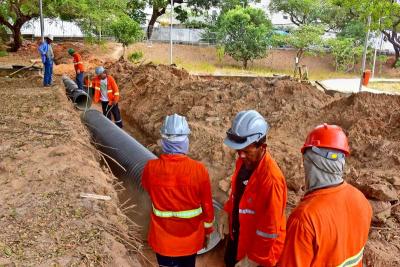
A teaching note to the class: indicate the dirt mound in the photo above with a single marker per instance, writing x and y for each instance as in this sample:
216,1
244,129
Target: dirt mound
149,92
46,162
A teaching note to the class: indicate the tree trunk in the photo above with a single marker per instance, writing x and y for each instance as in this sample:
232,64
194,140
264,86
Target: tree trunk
245,63
397,55
154,16
17,42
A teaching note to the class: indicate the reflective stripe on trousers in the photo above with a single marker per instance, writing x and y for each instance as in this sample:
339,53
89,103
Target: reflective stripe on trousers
266,235
184,214
353,261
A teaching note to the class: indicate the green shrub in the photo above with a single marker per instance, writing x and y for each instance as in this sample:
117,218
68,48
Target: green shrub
3,53
135,56
397,65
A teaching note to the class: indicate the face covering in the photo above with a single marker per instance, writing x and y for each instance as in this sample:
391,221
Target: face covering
175,145
322,172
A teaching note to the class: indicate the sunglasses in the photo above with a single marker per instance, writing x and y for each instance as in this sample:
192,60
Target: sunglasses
236,138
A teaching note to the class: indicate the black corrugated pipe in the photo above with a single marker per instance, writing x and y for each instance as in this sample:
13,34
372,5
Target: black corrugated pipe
132,156
79,97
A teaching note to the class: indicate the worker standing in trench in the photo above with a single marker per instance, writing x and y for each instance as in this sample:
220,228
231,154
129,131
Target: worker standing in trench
254,215
330,226
106,90
180,191
78,66
47,55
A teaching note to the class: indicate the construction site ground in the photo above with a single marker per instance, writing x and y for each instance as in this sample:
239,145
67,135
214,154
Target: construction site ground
47,160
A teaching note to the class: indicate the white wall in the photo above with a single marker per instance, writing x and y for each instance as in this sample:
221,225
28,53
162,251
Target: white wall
55,27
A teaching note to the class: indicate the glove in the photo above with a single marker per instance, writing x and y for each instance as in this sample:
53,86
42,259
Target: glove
206,240
246,262
223,224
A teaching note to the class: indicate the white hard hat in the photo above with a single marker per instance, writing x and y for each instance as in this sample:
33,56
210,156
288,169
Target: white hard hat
175,125
247,127
99,70
50,37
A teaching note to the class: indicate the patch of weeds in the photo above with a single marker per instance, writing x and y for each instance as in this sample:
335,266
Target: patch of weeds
135,56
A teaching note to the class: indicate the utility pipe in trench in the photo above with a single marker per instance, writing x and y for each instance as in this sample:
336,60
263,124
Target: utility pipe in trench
132,156
79,97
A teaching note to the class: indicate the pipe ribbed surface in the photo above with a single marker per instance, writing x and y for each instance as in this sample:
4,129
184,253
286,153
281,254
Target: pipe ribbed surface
119,145
79,97
133,156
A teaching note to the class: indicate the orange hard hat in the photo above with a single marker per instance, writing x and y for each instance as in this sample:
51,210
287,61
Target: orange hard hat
327,136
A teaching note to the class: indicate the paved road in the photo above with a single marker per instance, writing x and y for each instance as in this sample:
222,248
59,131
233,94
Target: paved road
352,85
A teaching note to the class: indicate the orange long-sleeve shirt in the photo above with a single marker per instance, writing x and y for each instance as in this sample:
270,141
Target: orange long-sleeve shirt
261,213
329,228
78,64
183,213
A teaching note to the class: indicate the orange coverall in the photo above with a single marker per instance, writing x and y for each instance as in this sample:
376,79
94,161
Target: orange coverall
329,228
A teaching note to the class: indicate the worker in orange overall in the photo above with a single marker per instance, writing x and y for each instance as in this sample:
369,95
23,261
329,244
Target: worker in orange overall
78,65
180,190
254,215
106,91
330,225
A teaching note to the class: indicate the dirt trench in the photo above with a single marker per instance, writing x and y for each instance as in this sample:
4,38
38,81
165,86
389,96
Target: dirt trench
46,162
372,122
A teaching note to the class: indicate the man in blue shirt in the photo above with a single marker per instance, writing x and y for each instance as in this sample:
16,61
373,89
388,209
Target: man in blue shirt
46,52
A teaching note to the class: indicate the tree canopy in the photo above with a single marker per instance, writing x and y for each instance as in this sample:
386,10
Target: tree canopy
243,32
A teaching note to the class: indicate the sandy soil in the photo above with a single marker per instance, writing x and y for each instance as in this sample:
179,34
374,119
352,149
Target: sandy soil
149,92
46,162
44,146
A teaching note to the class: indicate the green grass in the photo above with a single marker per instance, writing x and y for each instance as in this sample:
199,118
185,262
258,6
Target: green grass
3,53
385,86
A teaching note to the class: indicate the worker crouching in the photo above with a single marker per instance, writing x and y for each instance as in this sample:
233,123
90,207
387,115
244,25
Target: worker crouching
254,215
180,191
330,225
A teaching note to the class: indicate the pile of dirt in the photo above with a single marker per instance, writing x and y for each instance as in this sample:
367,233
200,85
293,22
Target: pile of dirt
149,92
46,162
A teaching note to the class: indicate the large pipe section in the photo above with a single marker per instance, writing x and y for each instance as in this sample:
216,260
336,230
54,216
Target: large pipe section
132,156
79,97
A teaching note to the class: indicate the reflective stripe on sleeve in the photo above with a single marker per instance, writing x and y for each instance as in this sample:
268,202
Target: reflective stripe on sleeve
184,214
266,235
97,88
109,91
246,211
208,225
117,93
353,261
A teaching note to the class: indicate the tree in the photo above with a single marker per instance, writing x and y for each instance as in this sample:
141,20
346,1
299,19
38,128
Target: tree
13,14
346,53
326,13
160,7
93,16
135,10
126,31
385,16
305,38
243,32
